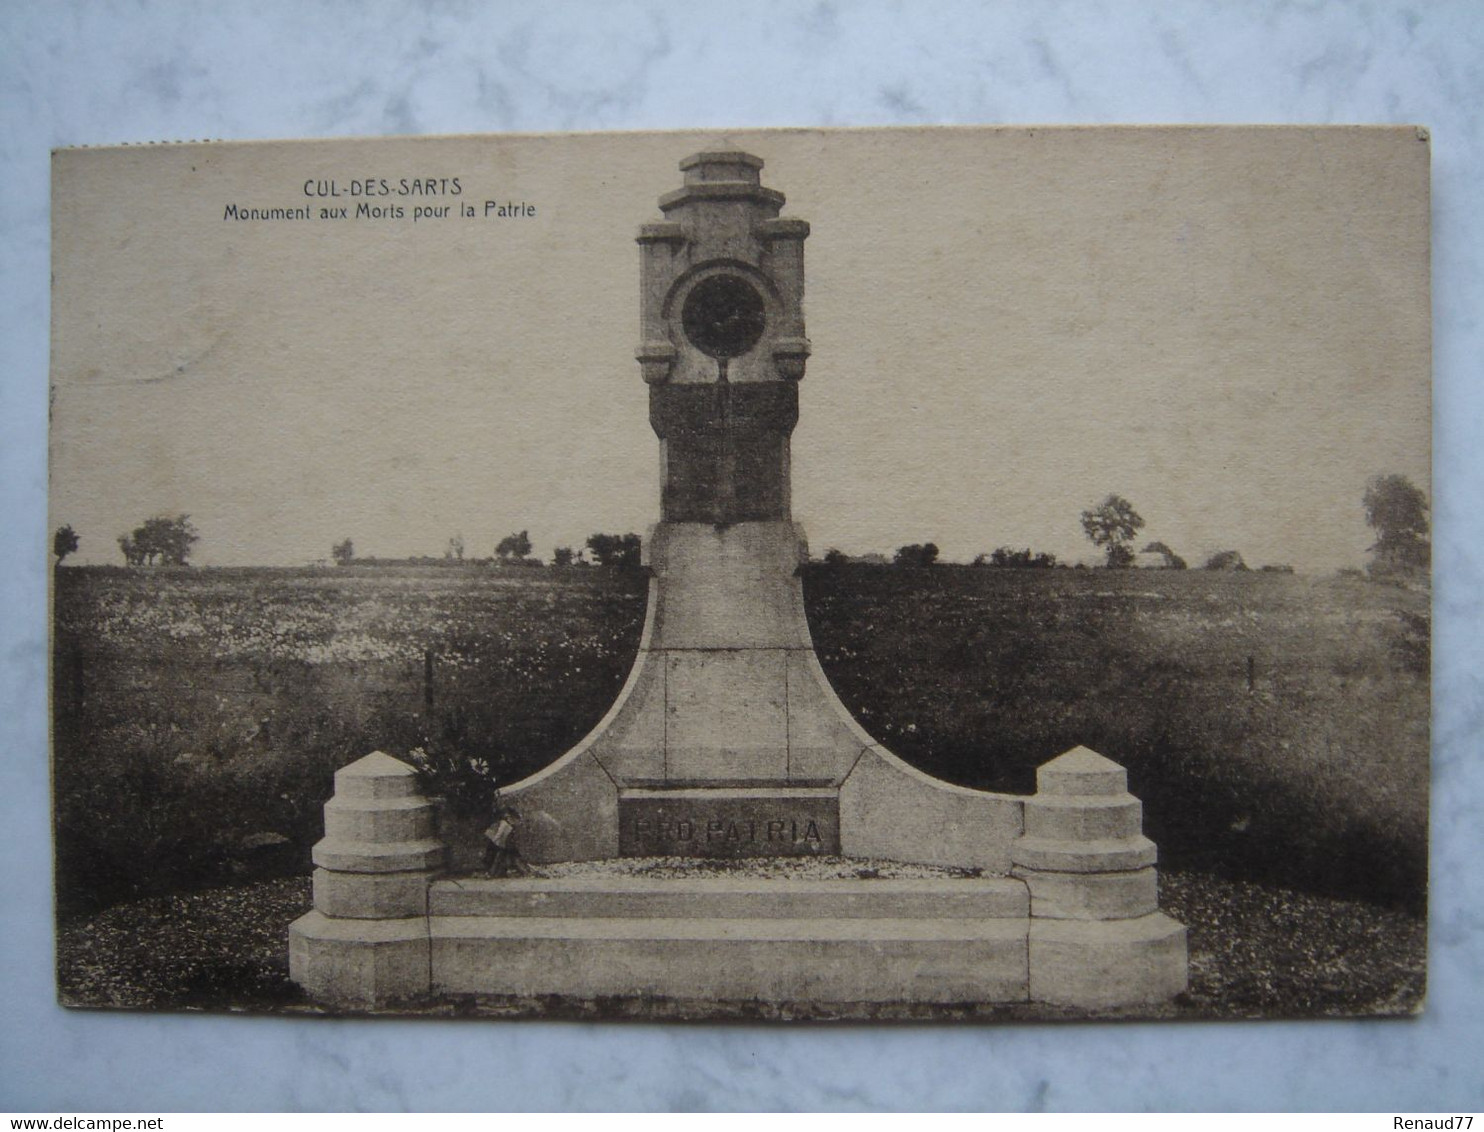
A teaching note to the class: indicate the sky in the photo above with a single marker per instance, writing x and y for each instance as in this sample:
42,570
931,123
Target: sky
1228,327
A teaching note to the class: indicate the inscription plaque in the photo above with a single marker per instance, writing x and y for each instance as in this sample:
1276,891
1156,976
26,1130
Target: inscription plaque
735,822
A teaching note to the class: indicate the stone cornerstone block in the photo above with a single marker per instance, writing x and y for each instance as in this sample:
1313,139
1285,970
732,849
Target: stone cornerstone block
1082,833
371,896
1080,772
1091,896
1107,963
359,964
378,822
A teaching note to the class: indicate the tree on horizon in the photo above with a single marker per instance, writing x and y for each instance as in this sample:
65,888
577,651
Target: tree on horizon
514,546
916,554
1397,511
64,542
164,540
1111,526
1172,560
622,552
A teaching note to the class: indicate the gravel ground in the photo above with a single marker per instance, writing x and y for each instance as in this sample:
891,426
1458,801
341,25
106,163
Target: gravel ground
1255,951
221,948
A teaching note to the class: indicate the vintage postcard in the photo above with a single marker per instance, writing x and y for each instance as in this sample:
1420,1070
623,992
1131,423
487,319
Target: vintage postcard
876,574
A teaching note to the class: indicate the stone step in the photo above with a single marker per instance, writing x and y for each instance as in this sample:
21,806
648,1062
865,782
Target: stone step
380,819
692,928
1083,817
1114,855
340,855
707,899
773,960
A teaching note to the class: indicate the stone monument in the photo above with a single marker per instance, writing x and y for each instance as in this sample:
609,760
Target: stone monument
728,741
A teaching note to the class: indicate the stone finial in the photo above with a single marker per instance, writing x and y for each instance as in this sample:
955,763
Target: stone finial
1081,771
376,775
721,165
722,175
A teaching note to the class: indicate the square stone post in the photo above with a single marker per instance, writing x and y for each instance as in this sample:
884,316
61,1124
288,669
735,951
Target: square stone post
1097,937
365,945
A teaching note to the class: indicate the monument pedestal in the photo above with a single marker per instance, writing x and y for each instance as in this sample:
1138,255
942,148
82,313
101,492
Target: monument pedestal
1086,934
726,740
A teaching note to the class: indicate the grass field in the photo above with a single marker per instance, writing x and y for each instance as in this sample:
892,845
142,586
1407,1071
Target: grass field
201,715
1276,727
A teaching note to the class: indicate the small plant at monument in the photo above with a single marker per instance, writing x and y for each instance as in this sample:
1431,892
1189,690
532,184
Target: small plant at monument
466,784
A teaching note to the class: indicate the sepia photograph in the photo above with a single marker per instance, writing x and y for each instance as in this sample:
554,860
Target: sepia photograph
903,574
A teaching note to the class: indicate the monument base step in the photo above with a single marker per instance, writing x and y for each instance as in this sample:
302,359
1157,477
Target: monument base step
846,942
944,940
732,897
771,960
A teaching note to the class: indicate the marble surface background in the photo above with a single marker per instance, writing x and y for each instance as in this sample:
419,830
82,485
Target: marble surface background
90,73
